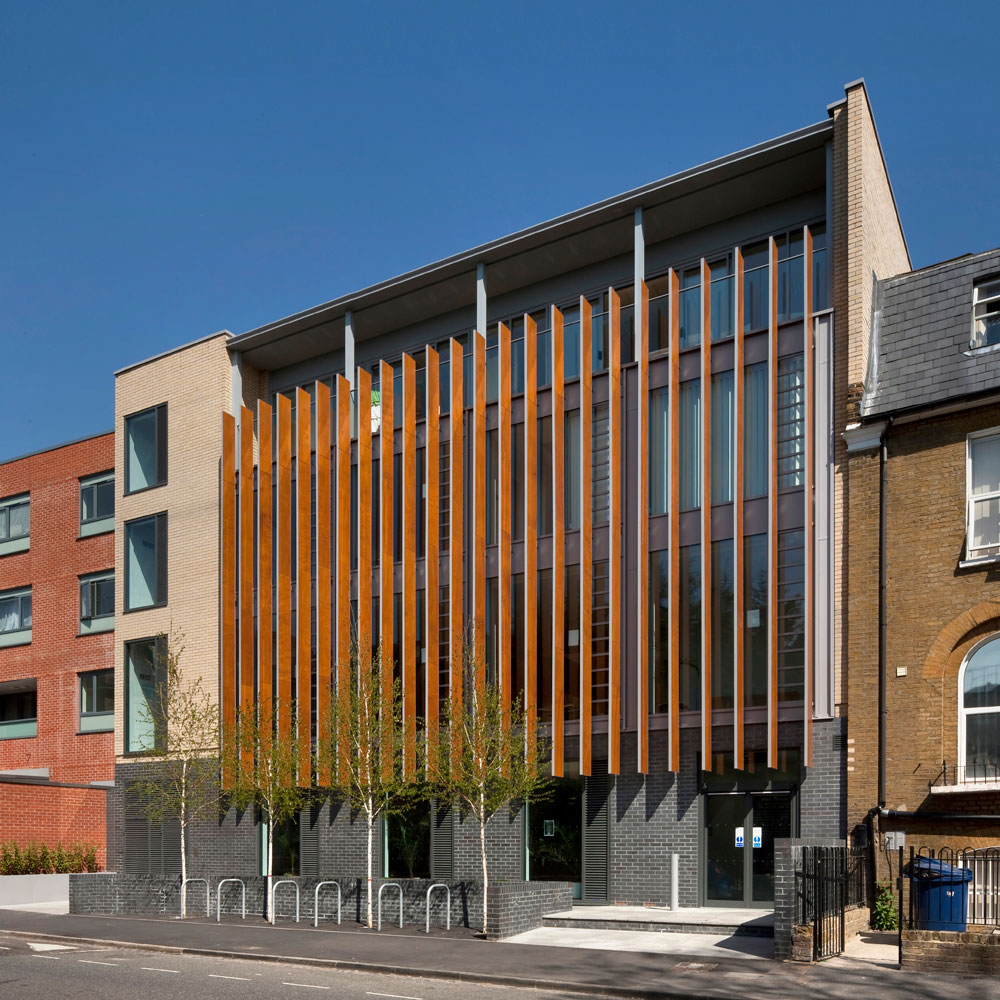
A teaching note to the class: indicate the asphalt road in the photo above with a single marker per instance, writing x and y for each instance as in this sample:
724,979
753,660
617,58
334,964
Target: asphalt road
43,971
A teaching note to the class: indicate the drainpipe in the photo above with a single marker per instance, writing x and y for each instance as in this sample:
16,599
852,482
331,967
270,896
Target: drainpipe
882,708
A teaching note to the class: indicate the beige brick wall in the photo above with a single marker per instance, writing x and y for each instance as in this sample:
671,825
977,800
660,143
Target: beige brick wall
867,243
196,384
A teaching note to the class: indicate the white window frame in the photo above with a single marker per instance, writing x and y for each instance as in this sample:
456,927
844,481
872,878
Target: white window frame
963,712
21,543
992,286
971,554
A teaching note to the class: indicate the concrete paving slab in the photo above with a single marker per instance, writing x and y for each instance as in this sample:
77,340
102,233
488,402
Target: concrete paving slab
700,946
705,915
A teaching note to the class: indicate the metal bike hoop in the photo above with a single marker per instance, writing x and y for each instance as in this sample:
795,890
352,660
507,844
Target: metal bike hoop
218,897
274,892
319,886
381,889
447,912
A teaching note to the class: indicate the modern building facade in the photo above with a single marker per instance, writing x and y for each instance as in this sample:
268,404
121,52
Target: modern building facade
57,619
924,614
608,449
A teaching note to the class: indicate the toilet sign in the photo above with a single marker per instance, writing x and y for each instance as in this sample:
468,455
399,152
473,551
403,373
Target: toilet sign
739,836
757,838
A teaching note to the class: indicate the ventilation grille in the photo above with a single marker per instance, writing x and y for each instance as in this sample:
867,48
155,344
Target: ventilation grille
596,812
152,849
442,842
309,841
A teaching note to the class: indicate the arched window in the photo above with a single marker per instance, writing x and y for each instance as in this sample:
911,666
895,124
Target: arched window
979,712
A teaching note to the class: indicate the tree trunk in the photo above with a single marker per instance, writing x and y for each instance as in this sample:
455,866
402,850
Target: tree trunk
183,836
371,824
270,868
482,850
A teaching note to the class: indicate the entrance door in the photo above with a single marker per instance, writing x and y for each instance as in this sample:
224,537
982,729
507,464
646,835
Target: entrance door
740,830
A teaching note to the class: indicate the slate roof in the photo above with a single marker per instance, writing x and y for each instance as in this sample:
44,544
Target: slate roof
923,322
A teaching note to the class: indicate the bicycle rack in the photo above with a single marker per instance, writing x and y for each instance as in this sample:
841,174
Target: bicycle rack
274,892
381,889
447,912
218,897
316,901
208,892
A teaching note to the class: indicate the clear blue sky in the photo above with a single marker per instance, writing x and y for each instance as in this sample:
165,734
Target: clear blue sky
169,170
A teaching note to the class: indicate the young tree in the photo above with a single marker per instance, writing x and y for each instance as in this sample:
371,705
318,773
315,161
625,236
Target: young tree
363,735
497,763
181,720
261,768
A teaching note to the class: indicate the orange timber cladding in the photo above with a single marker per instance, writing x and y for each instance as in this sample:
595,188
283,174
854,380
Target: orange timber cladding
334,433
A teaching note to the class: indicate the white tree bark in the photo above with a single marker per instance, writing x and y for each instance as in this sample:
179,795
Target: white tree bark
371,824
270,867
482,850
183,836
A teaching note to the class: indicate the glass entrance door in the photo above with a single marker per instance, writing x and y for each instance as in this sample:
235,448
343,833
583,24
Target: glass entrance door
740,830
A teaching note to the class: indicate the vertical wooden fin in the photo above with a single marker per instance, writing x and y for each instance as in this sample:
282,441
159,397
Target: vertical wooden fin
303,586
642,529
324,596
385,565
810,520
674,554
363,407
228,589
265,569
615,532
432,592
558,543
739,597
456,544
531,527
283,532
479,508
772,509
408,626
246,579
343,388
706,517
505,470
586,538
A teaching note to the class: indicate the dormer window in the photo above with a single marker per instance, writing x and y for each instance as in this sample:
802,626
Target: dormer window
986,314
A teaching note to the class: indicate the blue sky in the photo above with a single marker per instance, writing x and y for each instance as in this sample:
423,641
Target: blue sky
170,170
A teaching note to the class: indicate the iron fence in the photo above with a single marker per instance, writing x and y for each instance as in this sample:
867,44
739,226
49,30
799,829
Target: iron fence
975,902
831,880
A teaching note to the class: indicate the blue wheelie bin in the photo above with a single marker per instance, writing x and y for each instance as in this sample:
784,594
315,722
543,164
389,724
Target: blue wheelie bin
940,894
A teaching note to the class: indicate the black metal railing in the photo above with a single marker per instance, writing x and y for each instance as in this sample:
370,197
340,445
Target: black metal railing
970,898
831,880
965,774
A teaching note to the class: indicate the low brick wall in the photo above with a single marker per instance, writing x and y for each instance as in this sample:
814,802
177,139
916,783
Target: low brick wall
110,892
969,953
515,907
856,921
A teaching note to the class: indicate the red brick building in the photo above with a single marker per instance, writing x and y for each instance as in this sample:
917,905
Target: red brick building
57,642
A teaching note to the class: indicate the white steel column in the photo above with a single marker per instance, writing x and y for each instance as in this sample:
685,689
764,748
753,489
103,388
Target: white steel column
350,373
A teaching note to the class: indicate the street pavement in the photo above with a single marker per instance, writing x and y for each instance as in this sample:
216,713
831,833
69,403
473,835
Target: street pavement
460,961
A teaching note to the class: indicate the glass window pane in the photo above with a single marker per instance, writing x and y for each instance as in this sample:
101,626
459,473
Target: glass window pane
571,644
492,487
140,555
791,615
981,682
690,308
722,623
659,630
690,628
791,421
985,453
690,444
982,744
104,687
721,301
140,450
601,464
140,684
517,480
544,472
571,344
755,618
87,694
659,314
722,437
571,470
544,637
985,526
19,520
659,450
755,431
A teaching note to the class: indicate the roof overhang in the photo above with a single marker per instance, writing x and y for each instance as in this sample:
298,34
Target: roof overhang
724,188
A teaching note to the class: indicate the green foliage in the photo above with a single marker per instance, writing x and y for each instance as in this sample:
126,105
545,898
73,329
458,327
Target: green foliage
885,914
40,859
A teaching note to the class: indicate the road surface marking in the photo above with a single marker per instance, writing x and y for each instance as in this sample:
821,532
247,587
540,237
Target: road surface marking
45,946
148,968
307,986
242,979
398,996
90,961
